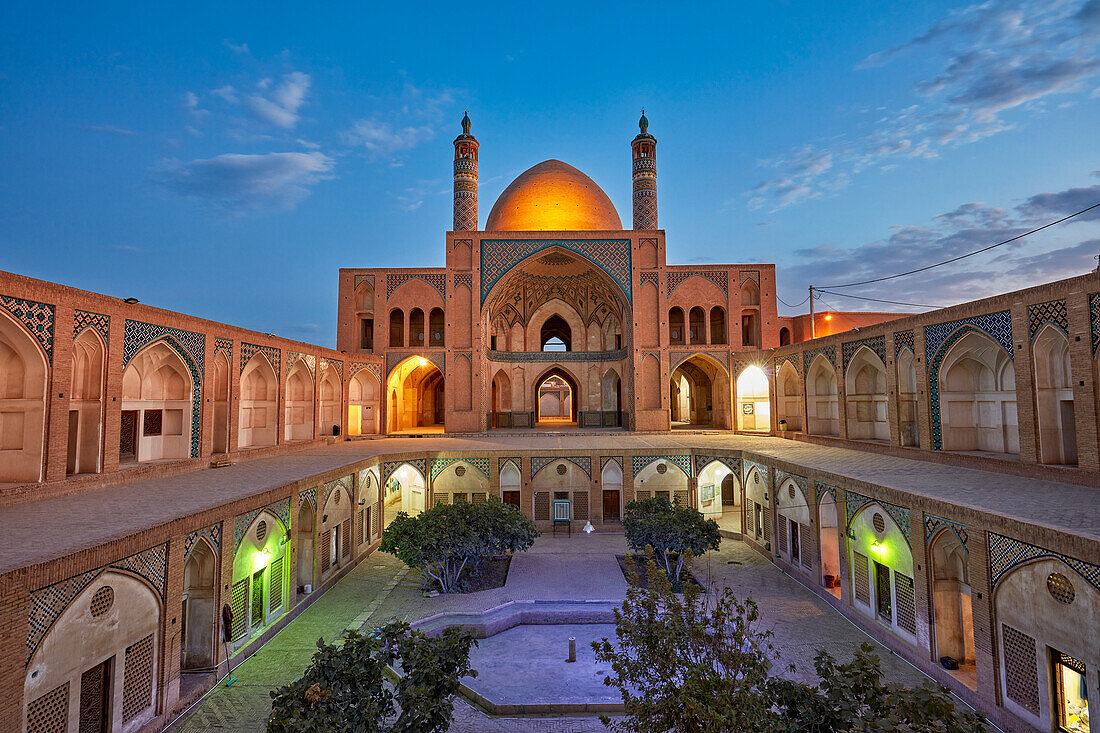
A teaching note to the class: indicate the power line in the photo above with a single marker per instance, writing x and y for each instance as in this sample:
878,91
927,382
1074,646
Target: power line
968,254
879,300
796,305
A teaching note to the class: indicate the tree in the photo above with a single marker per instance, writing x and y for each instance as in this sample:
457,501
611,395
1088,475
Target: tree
671,530
343,690
446,540
696,662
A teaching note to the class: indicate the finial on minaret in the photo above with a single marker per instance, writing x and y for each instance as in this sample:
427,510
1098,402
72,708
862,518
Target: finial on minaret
644,150
465,179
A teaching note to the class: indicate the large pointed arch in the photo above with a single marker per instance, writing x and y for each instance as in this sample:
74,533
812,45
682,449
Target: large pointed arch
257,423
86,403
973,395
822,407
556,372
160,395
865,396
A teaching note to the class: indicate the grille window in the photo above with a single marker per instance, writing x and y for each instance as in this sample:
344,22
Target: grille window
1021,673
137,686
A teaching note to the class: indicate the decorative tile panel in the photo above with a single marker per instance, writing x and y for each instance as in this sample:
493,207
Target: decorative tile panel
903,339
540,462
242,522
718,277
1006,554
794,360
809,355
821,488
464,279
344,482
516,461
48,603
360,279
292,358
337,366
190,346
933,524
37,317
649,277
733,464
420,464
744,275
748,466
616,459
854,503
87,319
1094,312
498,256
437,280
249,350
532,357
439,465
799,481
308,496
638,463
373,367
225,346
1040,314
876,344
212,533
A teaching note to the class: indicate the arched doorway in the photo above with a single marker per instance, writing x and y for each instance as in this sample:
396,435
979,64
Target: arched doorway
221,403
405,491
510,484
501,400
952,616
86,404
611,398
156,406
822,406
298,418
556,399
363,404
555,335
306,529
257,596
24,371
1054,397
197,631
753,401
978,397
259,400
611,482
788,397
416,397
865,397
699,394
332,395
882,570
720,496
829,536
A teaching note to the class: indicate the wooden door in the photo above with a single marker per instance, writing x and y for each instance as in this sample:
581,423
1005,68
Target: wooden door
127,436
610,504
95,699
511,498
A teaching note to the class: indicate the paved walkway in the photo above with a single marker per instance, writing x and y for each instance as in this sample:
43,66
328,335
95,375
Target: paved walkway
560,568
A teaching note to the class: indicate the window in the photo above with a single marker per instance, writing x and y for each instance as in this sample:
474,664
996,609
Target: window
883,600
152,421
676,326
795,549
1071,703
759,521
397,327
366,333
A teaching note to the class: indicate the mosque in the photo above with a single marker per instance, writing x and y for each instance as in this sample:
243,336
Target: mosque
934,477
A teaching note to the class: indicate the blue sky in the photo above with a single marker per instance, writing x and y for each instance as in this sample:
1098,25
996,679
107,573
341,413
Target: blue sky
226,159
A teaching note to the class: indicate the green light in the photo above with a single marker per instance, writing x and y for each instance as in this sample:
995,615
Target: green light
261,558
877,548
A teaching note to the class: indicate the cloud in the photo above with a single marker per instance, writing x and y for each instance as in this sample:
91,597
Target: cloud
1053,254
236,184
241,48
278,105
110,129
384,140
413,118
994,59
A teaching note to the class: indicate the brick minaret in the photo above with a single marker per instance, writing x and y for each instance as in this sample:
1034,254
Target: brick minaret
465,179
644,148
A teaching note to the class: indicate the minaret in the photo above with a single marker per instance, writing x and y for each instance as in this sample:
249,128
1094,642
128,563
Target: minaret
465,179
644,148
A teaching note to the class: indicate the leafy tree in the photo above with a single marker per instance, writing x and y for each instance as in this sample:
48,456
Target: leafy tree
696,662
672,530
854,697
343,690
446,540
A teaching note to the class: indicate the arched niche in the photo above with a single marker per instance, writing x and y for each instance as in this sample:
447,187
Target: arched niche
699,394
334,530
501,399
363,403
200,572
650,386
23,375
221,403
556,397
611,491
793,535
510,483
829,542
753,400
157,396
865,397
662,478
331,394
257,424
822,406
415,390
907,398
397,327
788,396
298,420
258,593
307,531
719,495
677,326
1054,397
460,481
558,480
952,615
882,570
718,325
85,437
977,397
405,491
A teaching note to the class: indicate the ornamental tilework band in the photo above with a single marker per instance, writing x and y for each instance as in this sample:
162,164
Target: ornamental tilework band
679,357
854,503
794,360
876,344
649,277
1006,553
393,359
420,464
516,461
821,488
37,317
530,357
308,496
733,464
828,351
360,279
748,466
1094,312
439,465
718,277
637,463
212,533
933,524
799,481
540,462
1040,314
464,278
903,339
344,482
996,325
309,360
249,350
242,522
604,460
337,366
500,255
437,280
87,319
190,347
373,367
48,603
1002,332
225,346
744,275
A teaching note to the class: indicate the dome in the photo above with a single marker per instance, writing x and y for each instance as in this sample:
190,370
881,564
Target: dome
552,196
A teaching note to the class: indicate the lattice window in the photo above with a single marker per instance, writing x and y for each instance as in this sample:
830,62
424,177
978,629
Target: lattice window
326,550
378,519
460,471
806,538
561,469
459,497
50,712
863,578
441,499
879,523
750,517
767,523
368,523
239,604
93,687
345,538
152,422
781,535
137,685
359,528
682,497
580,505
478,497
102,601
906,603
275,590
643,495
1060,588
261,530
1021,670
542,505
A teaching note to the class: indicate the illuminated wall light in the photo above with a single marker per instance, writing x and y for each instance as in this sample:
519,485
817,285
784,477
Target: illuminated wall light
261,558
828,318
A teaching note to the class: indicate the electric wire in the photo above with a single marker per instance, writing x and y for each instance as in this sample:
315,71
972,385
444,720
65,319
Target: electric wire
880,300
796,305
968,254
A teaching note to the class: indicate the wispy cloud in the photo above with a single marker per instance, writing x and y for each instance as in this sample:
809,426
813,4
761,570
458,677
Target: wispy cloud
271,103
110,129
993,58
1068,250
241,48
409,121
237,184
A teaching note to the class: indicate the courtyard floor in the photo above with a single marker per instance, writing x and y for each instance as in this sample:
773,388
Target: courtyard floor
582,567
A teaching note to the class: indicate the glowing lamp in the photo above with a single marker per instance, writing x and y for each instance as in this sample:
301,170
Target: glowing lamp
422,361
588,528
261,558
828,318
876,547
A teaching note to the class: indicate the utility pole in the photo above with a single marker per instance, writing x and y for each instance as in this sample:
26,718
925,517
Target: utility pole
813,330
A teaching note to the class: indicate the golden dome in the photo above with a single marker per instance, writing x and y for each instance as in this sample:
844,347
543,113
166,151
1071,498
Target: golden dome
553,196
